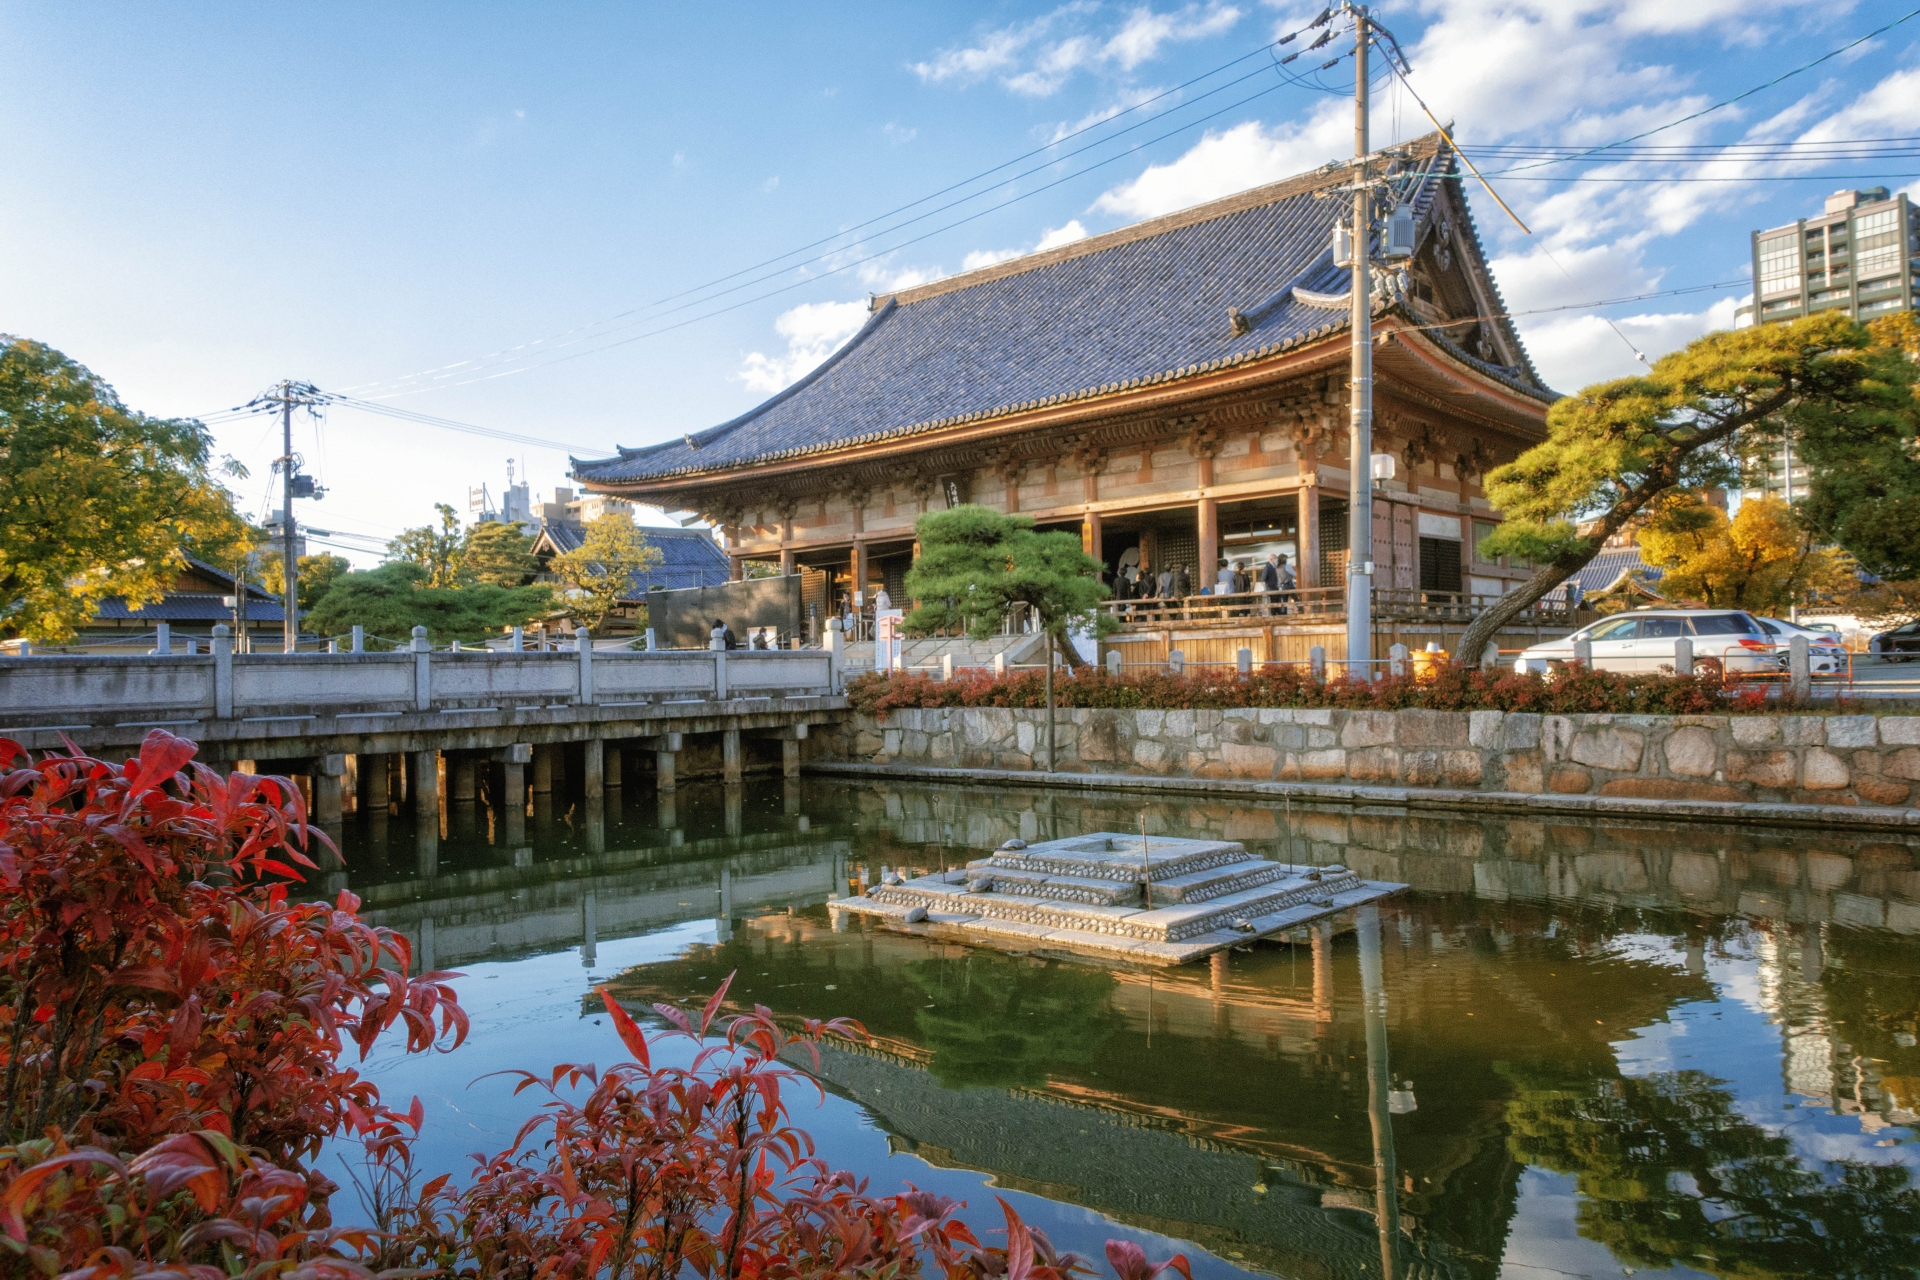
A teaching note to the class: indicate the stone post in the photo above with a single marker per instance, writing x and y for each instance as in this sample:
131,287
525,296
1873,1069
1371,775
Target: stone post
790,740
594,753
1317,663
1683,656
425,783
946,667
1177,662
1583,653
730,768
374,783
543,768
614,767
1115,664
359,639
666,747
462,778
583,643
422,671
519,642
720,671
1397,661
326,777
222,671
1799,668
163,639
999,664
653,644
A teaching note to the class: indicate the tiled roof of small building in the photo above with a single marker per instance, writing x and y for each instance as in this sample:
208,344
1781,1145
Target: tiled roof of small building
1142,305
688,557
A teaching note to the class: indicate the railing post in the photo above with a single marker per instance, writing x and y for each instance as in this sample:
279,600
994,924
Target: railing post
1683,656
163,639
1583,653
836,643
720,672
422,674
946,666
1243,660
1317,663
1177,662
519,642
1800,667
653,644
359,639
999,664
1397,661
1115,663
222,671
583,643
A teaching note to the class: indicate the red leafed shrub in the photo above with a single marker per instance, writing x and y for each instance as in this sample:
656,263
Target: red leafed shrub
1449,689
172,1029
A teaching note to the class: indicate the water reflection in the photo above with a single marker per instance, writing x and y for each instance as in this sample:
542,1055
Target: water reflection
1706,1037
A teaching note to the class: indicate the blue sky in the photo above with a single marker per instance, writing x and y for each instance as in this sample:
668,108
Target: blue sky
203,199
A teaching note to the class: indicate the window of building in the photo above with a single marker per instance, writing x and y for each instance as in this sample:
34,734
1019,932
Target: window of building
1879,238
1482,530
1440,564
1779,265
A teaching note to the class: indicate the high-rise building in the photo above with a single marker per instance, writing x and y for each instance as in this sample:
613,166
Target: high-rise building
1862,254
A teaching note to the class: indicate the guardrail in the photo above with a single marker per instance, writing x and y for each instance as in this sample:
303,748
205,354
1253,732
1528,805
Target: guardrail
58,690
1319,604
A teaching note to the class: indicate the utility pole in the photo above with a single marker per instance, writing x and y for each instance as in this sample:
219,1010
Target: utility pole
292,485
1360,429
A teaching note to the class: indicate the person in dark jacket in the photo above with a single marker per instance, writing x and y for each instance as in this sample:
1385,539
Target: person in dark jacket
1183,582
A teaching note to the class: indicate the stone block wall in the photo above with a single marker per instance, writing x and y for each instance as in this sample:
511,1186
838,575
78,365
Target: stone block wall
1807,759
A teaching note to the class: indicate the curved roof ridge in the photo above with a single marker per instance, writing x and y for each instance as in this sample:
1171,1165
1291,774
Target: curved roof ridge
1423,148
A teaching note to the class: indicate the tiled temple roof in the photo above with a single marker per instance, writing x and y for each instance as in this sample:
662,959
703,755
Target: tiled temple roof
1143,305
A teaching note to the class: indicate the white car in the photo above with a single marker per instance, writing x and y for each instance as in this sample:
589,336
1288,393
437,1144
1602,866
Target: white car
1642,641
1826,656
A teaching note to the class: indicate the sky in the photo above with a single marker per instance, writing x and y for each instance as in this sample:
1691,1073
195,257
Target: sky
567,222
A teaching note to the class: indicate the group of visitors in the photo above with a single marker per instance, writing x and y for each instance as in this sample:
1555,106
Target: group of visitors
1275,579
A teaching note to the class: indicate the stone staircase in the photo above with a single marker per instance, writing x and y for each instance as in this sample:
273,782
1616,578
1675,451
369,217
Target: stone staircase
1169,901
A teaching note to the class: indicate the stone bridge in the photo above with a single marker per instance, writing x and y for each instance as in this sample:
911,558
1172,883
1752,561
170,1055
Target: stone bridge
425,728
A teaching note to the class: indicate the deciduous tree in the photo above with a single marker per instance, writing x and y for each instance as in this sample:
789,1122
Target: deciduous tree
435,550
599,573
317,575
1617,446
1761,560
96,500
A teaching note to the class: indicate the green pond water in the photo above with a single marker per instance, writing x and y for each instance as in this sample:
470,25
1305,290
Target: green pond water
1607,1049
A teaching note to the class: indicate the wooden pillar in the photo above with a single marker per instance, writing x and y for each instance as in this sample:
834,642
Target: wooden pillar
1090,535
860,568
736,569
786,544
1307,572
1207,572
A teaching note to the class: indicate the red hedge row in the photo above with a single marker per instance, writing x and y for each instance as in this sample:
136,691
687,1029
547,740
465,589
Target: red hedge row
1451,689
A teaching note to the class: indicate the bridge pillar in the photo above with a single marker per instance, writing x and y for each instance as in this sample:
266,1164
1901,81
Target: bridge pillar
593,768
423,781
543,754
733,798
790,757
613,767
663,771
374,786
328,771
730,768
462,783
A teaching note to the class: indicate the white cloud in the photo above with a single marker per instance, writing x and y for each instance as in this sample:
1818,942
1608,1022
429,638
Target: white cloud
814,331
898,134
1034,58
1052,238
1575,351
771,184
1221,163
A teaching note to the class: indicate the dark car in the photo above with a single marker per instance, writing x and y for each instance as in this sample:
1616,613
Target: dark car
1898,644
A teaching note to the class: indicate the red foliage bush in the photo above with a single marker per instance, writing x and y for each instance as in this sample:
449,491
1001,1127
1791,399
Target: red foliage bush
1450,689
172,1026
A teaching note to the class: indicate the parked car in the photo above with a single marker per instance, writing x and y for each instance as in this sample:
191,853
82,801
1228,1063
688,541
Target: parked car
1898,644
1826,656
1728,640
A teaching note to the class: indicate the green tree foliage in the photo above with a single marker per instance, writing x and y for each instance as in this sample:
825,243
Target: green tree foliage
396,597
1670,1173
599,573
976,563
96,500
437,551
1761,560
1864,470
497,554
317,575
1615,447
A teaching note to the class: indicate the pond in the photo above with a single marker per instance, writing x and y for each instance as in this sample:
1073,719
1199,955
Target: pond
1620,1048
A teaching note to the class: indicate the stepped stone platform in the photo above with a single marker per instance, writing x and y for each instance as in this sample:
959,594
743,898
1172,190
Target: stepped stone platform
1115,896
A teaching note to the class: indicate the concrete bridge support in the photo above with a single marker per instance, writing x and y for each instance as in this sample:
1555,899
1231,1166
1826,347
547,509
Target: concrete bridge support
375,786
593,754
614,766
423,783
665,747
543,770
328,773
462,778
730,765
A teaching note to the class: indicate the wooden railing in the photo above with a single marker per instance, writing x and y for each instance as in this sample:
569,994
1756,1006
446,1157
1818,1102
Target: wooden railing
1317,604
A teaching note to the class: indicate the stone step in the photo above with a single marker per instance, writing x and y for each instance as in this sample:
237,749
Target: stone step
1200,886
1118,861
1088,889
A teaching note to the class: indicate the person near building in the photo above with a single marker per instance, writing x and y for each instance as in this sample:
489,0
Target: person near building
1223,580
1166,584
1289,586
1269,584
1183,582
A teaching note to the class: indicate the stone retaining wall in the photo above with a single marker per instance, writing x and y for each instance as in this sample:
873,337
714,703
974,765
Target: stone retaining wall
1844,760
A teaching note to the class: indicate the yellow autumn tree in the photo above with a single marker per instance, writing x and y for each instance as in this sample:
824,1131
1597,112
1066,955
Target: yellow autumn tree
1760,560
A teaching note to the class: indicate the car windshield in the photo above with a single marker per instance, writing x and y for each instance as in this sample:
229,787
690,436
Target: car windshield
1724,624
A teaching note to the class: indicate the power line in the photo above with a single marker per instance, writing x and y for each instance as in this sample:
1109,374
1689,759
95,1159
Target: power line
1743,177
